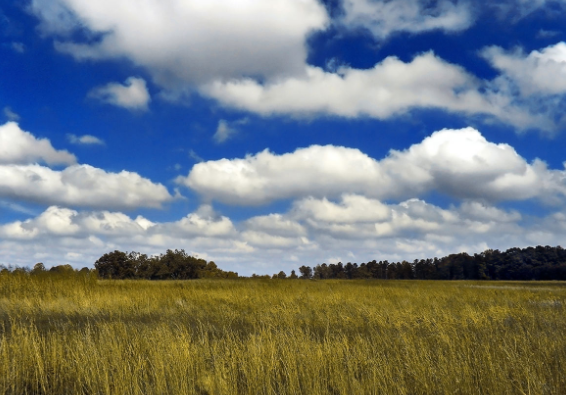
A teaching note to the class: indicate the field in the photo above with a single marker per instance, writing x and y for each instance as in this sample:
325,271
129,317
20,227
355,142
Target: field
80,335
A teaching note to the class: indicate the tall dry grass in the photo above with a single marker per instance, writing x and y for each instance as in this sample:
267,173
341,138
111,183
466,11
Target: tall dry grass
78,335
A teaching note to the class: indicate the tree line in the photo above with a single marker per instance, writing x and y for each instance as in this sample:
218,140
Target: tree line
531,263
173,265
119,265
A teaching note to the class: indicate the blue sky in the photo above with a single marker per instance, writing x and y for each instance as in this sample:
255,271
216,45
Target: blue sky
268,134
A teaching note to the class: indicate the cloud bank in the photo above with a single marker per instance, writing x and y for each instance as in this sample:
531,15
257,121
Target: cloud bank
458,163
345,206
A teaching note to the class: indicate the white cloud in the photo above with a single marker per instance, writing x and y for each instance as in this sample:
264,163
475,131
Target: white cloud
133,95
538,73
519,9
84,140
80,185
392,87
265,177
22,178
353,209
189,41
313,231
205,222
275,224
20,147
60,235
459,163
249,56
383,18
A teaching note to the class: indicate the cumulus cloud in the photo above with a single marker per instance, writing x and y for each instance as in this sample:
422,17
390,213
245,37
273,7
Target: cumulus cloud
276,224
247,55
538,73
60,221
133,95
60,235
189,41
392,87
23,178
382,18
84,140
459,163
80,185
20,147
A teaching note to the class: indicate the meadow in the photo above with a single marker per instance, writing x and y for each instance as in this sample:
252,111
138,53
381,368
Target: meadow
77,334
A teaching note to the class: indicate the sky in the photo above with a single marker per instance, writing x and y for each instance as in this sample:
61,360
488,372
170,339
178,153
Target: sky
269,134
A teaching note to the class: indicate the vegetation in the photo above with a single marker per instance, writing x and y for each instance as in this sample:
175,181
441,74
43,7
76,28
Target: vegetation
173,265
71,333
532,263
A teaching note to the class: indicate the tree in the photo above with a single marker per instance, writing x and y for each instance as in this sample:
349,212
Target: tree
62,270
281,275
38,268
110,265
306,272
293,275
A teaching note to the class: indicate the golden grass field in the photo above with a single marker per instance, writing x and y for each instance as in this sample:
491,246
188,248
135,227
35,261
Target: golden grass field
80,335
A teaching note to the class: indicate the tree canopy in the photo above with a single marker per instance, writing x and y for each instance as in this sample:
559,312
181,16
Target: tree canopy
173,265
531,263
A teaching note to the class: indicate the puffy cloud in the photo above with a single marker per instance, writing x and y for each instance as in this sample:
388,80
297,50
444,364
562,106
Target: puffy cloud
23,179
538,73
189,41
61,235
346,218
459,163
275,224
19,147
80,185
133,95
265,177
205,222
392,87
84,140
247,55
383,18
353,209
58,221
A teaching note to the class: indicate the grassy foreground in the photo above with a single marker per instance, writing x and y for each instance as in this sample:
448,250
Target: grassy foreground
80,335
